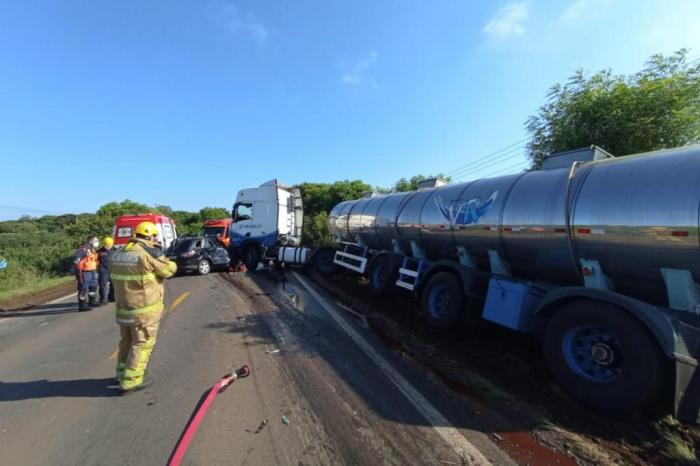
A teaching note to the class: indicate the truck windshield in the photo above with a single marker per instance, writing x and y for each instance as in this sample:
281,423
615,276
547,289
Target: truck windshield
212,232
242,211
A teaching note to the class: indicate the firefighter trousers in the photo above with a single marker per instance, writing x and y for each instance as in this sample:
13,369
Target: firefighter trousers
135,348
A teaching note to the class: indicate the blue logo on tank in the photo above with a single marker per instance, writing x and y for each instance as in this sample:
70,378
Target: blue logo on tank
465,212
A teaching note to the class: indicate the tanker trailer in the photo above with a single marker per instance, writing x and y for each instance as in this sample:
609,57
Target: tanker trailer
599,259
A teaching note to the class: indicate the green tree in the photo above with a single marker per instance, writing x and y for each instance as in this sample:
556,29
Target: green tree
315,232
188,223
213,213
319,199
164,210
125,207
322,197
657,108
411,184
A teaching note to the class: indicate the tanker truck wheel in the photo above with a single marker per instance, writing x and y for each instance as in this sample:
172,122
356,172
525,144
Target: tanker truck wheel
382,275
323,262
442,301
603,356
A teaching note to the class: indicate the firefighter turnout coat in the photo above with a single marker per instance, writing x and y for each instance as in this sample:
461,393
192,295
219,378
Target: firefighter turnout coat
137,272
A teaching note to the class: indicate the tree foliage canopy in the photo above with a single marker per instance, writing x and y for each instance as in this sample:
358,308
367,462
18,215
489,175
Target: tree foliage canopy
322,197
411,184
213,213
657,108
42,247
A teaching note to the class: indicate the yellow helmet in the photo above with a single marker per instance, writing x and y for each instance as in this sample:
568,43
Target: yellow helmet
108,241
146,229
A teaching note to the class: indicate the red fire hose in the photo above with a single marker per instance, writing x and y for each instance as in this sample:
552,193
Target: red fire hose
193,425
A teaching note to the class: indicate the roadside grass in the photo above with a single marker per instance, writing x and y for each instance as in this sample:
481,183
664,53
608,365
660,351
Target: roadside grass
32,286
674,446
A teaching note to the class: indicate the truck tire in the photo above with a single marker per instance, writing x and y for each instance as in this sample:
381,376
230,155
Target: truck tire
603,356
382,276
251,257
442,301
203,267
323,262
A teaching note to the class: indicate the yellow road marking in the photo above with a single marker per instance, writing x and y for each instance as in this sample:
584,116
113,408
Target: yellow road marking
179,300
175,304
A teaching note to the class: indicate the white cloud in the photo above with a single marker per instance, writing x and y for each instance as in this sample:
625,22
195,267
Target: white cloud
582,10
357,72
508,23
239,23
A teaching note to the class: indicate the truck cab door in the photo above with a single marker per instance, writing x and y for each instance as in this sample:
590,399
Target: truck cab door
242,222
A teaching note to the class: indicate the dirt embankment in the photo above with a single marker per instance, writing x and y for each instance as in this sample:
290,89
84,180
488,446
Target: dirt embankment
29,300
507,372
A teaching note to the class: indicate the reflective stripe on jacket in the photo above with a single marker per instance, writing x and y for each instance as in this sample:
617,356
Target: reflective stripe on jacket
137,273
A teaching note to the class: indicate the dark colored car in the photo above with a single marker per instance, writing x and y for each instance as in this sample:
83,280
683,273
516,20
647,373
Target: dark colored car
198,254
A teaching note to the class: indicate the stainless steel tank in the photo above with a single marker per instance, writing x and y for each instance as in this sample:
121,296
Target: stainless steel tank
633,214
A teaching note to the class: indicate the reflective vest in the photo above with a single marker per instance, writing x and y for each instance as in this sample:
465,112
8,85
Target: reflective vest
89,262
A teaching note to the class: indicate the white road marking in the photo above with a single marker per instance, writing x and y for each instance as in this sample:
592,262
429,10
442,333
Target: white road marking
61,299
449,434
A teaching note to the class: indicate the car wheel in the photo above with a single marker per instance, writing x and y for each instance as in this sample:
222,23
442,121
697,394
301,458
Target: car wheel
203,267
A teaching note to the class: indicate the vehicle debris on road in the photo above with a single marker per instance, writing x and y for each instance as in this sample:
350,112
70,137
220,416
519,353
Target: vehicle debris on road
260,428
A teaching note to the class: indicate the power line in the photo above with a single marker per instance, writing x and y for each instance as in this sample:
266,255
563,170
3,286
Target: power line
494,164
510,146
502,171
511,154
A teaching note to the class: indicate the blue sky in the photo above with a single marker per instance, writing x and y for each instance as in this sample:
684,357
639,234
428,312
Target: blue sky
184,102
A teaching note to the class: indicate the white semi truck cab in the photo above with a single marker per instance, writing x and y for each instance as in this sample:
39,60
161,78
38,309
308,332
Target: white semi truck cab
267,220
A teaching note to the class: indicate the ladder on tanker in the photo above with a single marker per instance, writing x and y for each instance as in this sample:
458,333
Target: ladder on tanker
353,257
409,273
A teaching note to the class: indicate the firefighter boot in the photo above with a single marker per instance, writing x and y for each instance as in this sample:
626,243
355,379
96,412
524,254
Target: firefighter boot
92,295
147,382
83,303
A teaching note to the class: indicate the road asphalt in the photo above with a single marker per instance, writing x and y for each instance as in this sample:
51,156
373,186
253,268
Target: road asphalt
323,389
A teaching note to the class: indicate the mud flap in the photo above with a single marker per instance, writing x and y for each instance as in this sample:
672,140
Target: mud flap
687,399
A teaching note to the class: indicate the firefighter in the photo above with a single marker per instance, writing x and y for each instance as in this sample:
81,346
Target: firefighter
106,293
137,272
85,268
